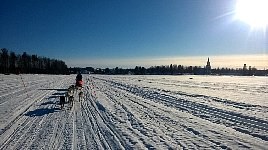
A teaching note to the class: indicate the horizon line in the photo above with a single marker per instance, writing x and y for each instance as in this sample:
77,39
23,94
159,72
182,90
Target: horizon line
258,61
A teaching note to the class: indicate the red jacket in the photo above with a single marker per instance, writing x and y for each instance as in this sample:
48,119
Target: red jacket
79,83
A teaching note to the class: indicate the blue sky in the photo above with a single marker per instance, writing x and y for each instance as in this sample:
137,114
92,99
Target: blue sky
112,30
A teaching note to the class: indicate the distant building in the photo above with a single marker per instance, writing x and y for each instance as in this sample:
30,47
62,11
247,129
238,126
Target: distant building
245,67
84,71
208,67
245,70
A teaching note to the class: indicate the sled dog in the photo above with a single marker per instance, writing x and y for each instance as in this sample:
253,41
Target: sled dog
81,95
70,92
62,101
71,101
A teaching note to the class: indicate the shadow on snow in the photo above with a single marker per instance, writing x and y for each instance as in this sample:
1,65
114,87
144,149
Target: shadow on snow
54,89
49,102
41,112
100,107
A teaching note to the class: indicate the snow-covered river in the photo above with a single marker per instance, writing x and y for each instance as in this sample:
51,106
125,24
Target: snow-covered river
134,112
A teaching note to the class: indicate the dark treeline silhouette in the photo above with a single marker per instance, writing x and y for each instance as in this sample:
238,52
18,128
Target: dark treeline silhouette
173,70
25,63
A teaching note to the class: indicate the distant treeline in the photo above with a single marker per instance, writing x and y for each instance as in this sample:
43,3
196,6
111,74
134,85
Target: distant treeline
172,70
25,63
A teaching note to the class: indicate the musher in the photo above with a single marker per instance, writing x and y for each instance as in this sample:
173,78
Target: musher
79,81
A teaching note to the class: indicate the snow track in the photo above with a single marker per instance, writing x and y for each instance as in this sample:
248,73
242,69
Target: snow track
126,112
239,122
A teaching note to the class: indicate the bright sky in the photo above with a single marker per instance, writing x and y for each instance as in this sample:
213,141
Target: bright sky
127,33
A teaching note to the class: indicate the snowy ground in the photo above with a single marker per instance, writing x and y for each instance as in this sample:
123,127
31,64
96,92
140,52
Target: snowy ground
135,112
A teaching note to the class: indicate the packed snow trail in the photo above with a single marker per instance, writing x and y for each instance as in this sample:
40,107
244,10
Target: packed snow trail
128,112
203,111
225,129
43,125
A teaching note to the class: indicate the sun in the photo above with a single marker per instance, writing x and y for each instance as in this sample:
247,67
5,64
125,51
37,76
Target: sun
253,12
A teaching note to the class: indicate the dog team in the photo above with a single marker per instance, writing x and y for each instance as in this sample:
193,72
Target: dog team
70,95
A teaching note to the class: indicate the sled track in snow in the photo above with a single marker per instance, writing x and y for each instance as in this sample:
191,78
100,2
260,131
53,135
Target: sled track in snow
27,133
239,122
42,125
139,129
107,134
117,115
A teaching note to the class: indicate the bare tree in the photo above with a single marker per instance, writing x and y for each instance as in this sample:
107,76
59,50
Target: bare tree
13,62
4,60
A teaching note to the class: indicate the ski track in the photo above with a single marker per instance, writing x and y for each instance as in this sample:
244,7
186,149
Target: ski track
117,114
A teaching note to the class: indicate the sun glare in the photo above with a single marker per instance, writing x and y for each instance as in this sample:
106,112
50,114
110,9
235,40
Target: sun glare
253,12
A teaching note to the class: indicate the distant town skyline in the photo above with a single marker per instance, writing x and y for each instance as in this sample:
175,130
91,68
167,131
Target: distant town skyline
227,61
130,33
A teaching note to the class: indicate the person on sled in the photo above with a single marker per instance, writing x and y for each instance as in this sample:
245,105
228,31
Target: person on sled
79,81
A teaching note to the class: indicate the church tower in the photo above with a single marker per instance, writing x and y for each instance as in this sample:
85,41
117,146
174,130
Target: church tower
208,67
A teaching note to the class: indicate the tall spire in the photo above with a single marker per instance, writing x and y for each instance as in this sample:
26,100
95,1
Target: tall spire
208,67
